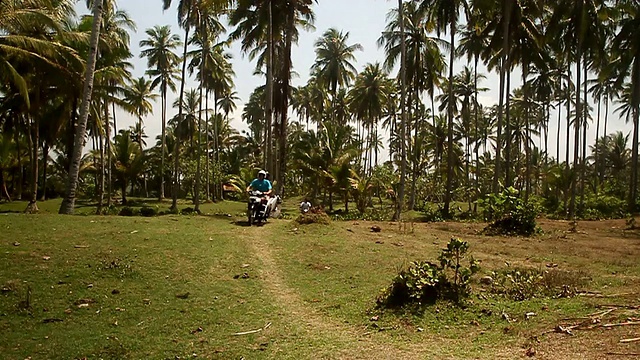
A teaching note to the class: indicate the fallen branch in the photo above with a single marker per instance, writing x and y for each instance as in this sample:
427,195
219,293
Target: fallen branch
599,295
622,354
602,313
624,341
593,316
252,331
633,307
622,324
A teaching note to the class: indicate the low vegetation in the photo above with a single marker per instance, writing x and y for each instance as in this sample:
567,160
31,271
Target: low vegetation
175,286
424,282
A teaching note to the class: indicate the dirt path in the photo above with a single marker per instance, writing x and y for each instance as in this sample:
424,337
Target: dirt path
354,344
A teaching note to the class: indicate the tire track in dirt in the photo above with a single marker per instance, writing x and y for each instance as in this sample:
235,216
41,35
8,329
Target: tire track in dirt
354,343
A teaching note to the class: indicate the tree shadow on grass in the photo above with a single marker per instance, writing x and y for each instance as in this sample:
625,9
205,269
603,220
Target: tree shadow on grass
245,223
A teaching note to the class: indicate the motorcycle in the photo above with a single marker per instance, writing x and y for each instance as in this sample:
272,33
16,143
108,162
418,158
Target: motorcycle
257,211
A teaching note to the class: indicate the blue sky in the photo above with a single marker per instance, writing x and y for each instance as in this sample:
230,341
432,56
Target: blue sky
363,19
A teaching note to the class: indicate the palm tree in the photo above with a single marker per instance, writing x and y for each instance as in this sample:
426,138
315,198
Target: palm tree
367,99
627,45
159,49
137,98
129,161
333,65
259,30
68,202
447,13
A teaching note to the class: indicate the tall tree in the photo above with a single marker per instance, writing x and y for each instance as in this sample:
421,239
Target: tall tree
627,45
68,202
333,65
447,13
162,63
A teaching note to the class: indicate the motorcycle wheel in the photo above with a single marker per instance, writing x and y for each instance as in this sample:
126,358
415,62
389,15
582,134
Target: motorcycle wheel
250,217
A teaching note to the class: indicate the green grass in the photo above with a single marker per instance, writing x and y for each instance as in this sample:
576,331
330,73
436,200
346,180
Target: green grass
316,285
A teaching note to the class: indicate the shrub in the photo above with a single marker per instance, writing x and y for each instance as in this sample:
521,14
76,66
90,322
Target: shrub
424,282
509,214
431,214
187,211
149,211
597,207
315,216
127,211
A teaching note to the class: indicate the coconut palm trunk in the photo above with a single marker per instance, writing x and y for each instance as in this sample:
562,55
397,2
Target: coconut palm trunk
403,122
206,132
34,140
268,149
450,155
176,147
68,202
164,138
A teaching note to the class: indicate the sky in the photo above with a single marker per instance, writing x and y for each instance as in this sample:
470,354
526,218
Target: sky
364,20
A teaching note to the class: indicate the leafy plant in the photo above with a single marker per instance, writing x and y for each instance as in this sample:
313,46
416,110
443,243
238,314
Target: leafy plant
431,214
127,211
424,282
451,262
148,211
509,214
598,207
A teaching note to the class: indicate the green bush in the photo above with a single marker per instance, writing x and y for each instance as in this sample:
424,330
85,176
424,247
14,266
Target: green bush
127,211
598,207
509,215
424,282
187,211
149,211
431,214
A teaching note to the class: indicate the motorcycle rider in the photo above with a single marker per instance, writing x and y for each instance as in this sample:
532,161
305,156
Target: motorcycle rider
264,186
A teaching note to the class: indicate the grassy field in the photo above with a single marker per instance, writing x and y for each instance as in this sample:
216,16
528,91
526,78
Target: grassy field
114,287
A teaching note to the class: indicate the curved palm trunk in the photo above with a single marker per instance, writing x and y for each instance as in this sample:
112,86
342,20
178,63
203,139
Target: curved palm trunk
176,147
74,169
3,186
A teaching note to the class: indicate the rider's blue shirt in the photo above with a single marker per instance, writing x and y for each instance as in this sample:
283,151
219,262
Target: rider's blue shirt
261,185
